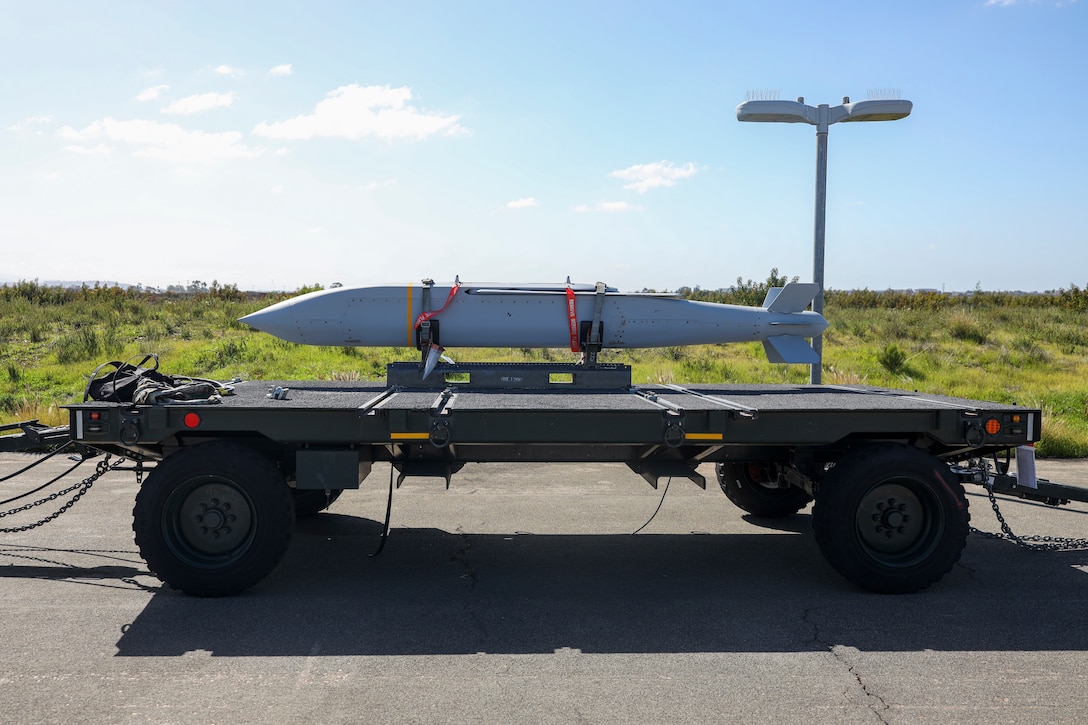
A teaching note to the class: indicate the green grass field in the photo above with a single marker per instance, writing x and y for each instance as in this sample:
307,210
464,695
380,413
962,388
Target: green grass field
1029,350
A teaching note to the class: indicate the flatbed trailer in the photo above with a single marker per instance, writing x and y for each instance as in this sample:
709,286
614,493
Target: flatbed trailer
885,467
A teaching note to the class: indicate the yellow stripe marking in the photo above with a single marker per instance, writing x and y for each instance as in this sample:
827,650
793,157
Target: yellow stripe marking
409,436
411,342
704,436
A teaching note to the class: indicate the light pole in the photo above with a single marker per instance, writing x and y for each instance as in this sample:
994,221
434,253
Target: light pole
821,117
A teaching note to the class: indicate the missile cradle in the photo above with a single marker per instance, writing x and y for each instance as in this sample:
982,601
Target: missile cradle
464,315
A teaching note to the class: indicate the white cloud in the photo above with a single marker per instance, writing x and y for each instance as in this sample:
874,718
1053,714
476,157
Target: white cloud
644,177
226,70
163,141
31,121
152,93
280,70
70,134
522,203
610,207
97,150
199,102
355,112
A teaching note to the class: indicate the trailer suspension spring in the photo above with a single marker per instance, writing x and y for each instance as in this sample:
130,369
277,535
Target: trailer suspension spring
102,468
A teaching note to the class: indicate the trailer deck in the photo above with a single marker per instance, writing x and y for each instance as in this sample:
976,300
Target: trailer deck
694,423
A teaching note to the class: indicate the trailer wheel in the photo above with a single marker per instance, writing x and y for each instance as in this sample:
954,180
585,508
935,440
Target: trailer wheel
213,520
310,502
891,519
753,487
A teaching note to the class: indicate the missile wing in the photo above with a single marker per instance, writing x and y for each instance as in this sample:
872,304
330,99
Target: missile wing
558,315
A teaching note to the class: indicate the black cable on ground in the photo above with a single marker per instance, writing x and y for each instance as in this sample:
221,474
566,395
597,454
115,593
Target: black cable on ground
38,462
654,514
388,513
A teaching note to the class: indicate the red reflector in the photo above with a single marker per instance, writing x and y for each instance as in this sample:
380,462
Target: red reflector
993,426
95,415
191,420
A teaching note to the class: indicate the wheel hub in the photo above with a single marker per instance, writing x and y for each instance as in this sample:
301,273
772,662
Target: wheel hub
214,518
891,519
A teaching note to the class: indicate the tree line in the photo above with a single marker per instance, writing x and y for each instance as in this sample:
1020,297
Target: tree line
742,292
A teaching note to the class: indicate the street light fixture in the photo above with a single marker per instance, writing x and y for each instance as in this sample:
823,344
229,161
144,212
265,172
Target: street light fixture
821,117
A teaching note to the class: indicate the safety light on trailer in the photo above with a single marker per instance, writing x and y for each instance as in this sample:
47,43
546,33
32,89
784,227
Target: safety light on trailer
993,426
191,420
95,415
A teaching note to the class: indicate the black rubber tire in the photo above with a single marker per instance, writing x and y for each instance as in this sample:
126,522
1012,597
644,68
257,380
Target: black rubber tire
311,501
751,486
214,519
891,518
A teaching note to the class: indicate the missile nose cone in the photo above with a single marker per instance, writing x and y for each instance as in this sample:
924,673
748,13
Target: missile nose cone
254,320
275,320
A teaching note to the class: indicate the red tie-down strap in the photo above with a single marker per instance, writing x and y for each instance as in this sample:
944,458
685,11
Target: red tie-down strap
572,315
428,315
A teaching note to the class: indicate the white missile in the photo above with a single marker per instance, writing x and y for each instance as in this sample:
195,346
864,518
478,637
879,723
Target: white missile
559,315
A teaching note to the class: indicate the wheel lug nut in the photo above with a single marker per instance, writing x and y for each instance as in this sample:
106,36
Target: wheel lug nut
204,529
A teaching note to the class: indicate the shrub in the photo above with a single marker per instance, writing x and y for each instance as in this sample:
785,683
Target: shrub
965,326
891,358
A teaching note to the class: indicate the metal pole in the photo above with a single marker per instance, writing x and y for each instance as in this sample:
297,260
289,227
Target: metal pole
816,372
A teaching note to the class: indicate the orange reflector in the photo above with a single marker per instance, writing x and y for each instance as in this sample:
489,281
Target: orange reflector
993,426
191,420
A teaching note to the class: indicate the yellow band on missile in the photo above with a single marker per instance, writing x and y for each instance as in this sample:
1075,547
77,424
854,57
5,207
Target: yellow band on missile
409,436
704,436
411,342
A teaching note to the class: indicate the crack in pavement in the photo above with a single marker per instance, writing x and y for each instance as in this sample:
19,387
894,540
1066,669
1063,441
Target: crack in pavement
971,573
876,703
461,556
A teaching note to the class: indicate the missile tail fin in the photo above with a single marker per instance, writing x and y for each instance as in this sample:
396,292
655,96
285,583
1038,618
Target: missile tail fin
790,349
794,297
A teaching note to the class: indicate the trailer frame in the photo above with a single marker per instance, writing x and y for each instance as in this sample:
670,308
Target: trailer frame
210,525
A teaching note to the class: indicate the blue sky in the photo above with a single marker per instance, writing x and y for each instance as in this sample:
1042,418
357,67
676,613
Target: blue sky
275,144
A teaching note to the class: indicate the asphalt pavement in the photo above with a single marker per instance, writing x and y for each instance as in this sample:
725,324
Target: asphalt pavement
521,595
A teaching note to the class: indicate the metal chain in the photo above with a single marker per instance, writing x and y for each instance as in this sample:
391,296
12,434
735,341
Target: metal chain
1032,543
102,468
